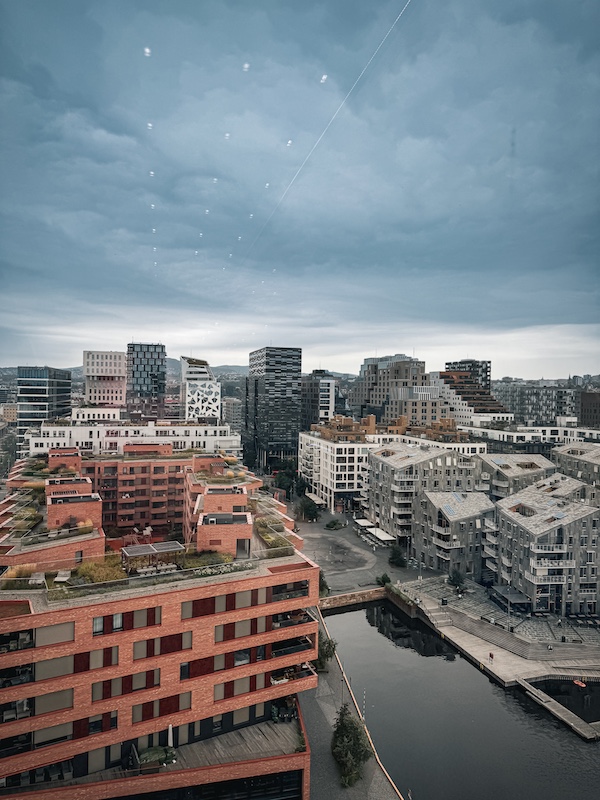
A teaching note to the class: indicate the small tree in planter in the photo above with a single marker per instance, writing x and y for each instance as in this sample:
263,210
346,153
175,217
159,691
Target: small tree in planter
350,746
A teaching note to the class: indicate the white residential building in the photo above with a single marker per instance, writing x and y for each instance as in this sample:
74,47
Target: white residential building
200,391
558,433
335,469
105,376
110,437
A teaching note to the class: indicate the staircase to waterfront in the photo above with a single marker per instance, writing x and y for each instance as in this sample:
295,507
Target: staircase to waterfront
515,644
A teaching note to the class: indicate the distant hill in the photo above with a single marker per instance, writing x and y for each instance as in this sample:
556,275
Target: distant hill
226,369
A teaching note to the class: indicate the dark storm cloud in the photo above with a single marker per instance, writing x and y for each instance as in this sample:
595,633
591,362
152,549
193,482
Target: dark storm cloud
456,187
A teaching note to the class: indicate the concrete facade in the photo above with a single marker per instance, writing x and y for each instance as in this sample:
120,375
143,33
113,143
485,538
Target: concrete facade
447,530
399,471
105,377
548,551
507,473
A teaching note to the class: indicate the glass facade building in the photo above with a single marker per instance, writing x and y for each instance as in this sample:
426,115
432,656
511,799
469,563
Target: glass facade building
43,393
146,379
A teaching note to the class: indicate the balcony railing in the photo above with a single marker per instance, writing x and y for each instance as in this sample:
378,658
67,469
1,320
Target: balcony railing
548,548
545,579
547,563
447,544
290,595
296,646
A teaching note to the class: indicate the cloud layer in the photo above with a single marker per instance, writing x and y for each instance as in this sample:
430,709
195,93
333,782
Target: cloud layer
451,207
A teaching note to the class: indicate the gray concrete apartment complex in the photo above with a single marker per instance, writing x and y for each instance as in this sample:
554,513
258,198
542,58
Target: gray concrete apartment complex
399,471
448,529
548,550
581,461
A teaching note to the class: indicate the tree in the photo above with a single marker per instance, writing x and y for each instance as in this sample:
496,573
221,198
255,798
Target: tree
385,578
456,578
397,558
306,509
350,746
301,486
326,650
323,585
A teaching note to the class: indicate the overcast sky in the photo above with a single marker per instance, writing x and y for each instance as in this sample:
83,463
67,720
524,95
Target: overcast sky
159,181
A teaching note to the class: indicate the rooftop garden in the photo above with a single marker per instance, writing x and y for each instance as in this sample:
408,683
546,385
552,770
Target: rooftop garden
272,532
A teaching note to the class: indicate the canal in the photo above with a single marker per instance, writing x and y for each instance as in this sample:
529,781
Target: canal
444,730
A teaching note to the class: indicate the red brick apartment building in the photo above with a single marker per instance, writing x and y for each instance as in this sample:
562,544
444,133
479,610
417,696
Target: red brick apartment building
98,679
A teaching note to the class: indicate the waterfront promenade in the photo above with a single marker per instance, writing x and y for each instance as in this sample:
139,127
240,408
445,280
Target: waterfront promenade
472,623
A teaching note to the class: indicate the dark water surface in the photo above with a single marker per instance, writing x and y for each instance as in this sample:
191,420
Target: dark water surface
443,730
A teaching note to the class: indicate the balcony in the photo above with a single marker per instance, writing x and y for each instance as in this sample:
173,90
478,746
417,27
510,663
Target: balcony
545,579
292,674
447,544
491,551
548,548
439,530
299,617
16,675
18,709
547,563
289,646
278,596
22,640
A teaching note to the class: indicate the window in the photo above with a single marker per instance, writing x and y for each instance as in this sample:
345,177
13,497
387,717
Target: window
98,626
55,634
241,686
242,628
241,657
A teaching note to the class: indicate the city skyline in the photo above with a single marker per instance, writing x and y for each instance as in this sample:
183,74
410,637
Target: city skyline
351,180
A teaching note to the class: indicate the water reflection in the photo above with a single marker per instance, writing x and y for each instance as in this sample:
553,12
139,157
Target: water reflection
442,729
409,634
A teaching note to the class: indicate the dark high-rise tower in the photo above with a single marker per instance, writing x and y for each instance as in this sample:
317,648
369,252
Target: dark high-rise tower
43,393
146,380
272,408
